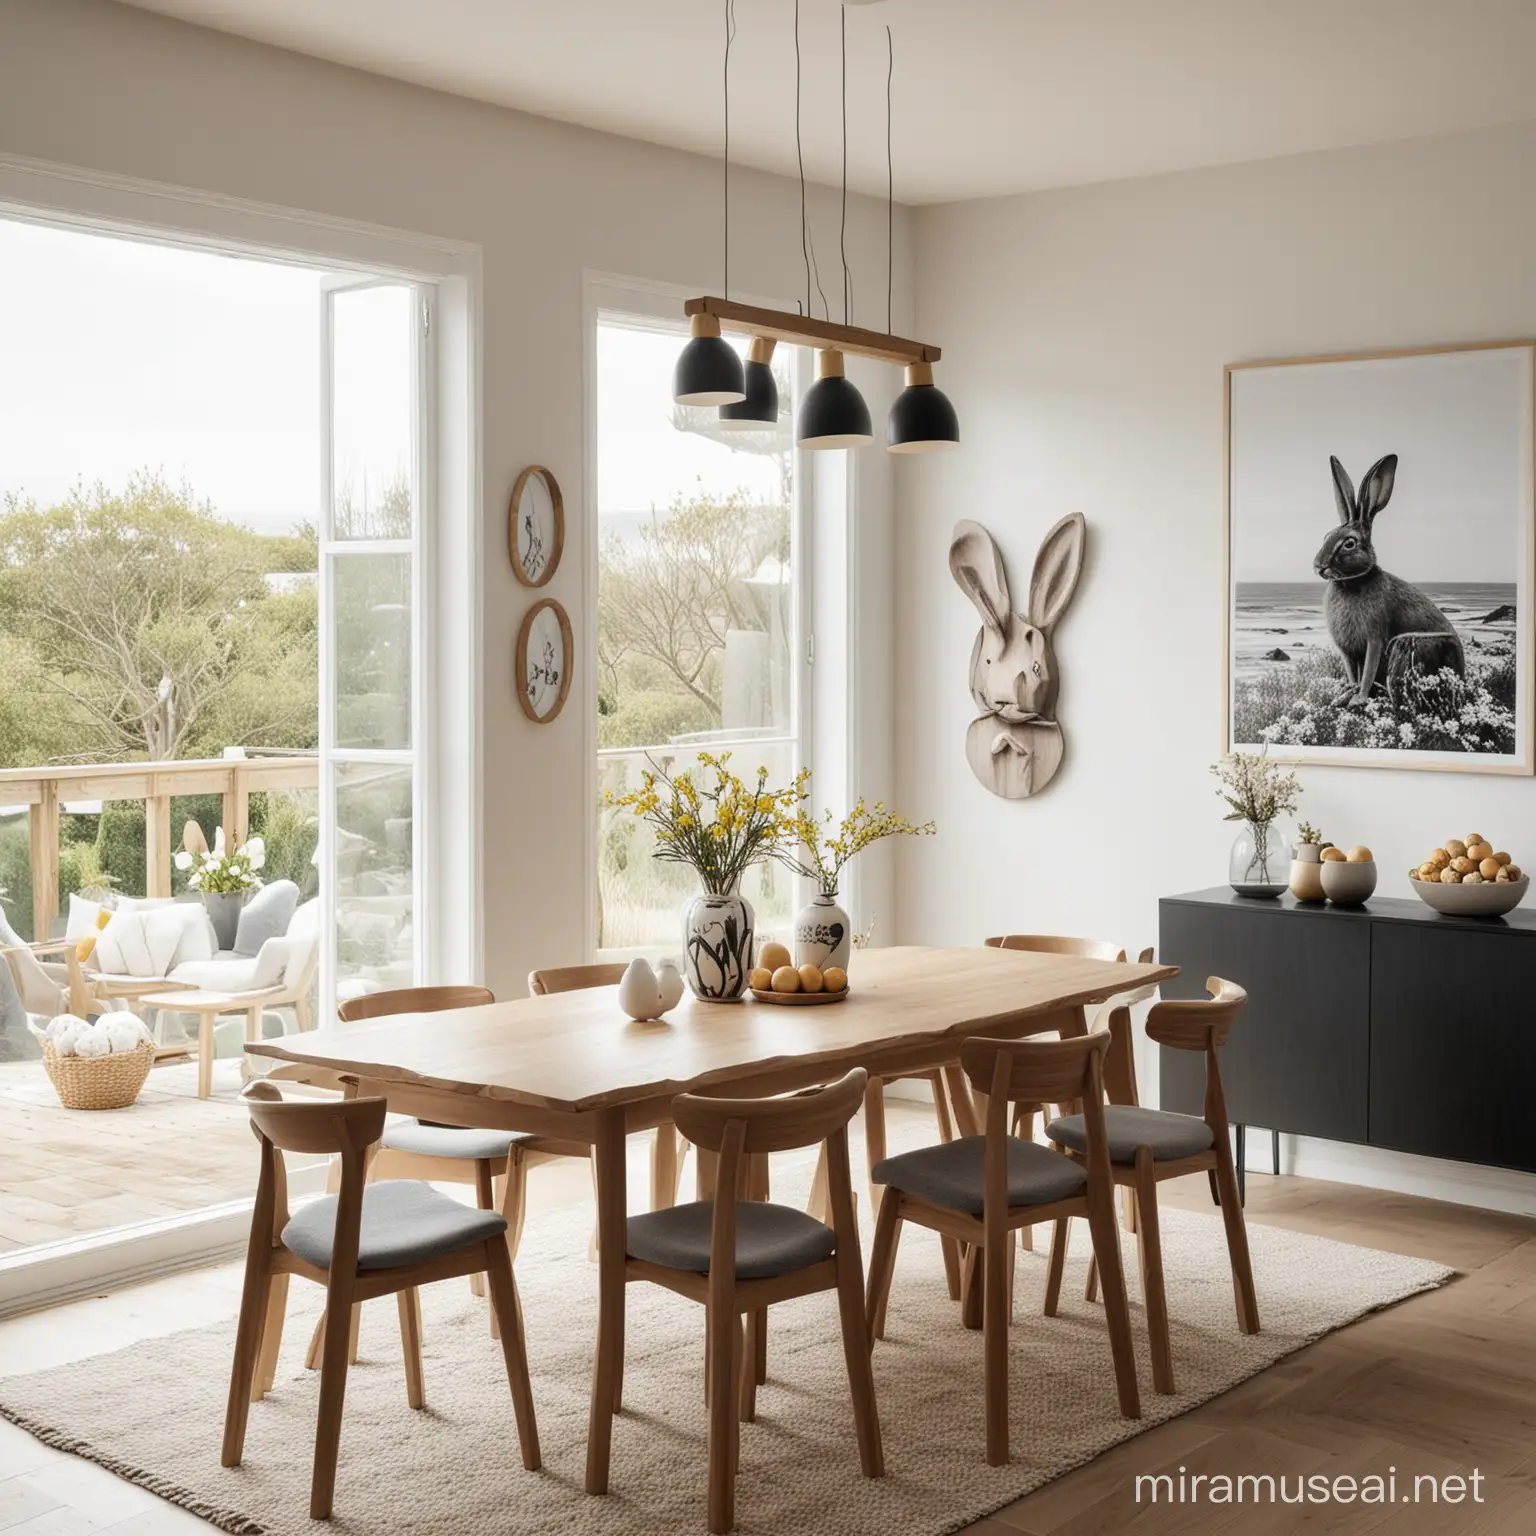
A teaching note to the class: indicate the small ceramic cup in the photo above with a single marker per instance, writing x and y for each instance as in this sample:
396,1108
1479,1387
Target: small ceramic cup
1346,884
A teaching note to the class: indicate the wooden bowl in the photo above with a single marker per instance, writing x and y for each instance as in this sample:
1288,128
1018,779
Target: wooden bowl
799,999
1490,899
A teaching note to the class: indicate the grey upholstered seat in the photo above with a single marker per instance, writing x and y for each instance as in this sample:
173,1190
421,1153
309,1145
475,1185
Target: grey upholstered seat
404,1222
449,1140
951,1174
770,1239
1128,1126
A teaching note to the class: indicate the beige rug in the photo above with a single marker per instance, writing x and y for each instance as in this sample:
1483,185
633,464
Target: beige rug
153,1412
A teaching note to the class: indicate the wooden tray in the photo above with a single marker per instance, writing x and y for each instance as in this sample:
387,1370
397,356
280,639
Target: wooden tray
800,999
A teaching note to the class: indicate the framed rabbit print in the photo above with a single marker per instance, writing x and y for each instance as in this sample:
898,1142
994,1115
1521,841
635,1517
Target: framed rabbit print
1381,529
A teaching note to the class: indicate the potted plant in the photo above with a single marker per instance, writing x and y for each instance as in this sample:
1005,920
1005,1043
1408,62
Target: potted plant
819,851
1258,794
1306,864
224,880
719,825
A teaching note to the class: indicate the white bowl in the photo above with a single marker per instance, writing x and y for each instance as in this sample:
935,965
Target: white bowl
1348,882
1489,899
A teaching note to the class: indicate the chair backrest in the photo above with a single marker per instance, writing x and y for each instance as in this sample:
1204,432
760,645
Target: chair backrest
574,978
771,1125
1201,1024
1058,944
378,1005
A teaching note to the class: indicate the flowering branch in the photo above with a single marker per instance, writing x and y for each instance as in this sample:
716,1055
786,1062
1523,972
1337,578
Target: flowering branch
1255,788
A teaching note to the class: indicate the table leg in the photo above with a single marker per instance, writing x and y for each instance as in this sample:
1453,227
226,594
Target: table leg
204,1055
608,1153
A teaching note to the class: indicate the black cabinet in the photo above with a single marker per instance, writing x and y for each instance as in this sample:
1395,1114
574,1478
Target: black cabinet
1388,1025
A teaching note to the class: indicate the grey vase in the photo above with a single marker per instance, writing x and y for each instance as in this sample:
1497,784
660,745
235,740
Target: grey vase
223,909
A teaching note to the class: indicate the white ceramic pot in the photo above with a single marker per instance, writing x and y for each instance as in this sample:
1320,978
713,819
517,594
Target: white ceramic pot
717,947
823,934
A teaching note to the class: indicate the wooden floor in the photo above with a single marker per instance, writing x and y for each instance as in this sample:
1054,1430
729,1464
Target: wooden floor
68,1172
1443,1384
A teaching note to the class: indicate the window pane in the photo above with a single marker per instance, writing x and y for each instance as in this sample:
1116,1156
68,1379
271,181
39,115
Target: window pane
640,901
372,385
695,595
375,928
373,650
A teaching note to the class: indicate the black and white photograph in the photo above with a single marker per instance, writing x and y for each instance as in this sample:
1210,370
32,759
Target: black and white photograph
1380,513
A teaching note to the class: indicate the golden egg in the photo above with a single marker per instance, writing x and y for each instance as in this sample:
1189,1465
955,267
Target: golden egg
1448,876
1477,852
1439,858
1360,855
1455,847
786,979
835,979
1474,837
1333,855
761,979
774,956
1503,858
810,978
1489,869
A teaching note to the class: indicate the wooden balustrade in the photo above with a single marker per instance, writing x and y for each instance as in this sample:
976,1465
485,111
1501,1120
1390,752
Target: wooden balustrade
42,791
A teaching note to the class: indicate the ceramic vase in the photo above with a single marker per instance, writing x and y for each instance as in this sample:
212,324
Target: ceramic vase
823,934
717,940
1255,867
223,909
1307,873
1348,884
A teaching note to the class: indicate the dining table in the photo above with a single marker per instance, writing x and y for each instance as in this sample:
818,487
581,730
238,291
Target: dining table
573,1065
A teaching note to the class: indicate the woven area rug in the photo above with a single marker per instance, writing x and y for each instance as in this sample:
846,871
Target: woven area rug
153,1412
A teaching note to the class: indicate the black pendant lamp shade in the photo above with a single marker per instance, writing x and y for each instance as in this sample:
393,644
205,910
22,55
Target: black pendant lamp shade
922,420
833,413
708,369
761,407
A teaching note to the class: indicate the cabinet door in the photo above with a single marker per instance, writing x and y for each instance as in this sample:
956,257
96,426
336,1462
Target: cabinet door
1453,1052
1297,1057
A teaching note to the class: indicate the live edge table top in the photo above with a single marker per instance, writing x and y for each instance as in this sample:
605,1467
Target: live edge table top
576,1052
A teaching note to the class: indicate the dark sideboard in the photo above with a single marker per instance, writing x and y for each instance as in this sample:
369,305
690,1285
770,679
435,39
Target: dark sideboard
1389,1025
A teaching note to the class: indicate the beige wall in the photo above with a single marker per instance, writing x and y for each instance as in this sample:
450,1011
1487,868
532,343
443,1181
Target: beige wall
92,84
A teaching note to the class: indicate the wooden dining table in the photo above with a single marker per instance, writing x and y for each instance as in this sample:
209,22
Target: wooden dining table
572,1065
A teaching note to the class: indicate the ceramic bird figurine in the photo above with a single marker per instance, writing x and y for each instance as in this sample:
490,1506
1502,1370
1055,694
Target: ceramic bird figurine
640,992
670,979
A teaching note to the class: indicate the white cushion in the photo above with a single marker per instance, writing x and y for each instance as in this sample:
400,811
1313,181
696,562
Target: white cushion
235,974
272,962
81,922
149,940
123,947
302,941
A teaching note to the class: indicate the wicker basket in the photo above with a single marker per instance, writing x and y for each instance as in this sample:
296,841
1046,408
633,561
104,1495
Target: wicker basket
99,1082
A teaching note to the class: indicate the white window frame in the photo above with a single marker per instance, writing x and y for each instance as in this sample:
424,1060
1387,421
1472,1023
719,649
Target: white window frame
607,294
132,208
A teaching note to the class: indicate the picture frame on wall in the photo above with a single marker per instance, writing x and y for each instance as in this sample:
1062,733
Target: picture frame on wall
535,526
1380,539
543,662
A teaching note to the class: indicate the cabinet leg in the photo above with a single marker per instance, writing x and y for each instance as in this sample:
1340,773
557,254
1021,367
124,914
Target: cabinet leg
1242,1163
1274,1151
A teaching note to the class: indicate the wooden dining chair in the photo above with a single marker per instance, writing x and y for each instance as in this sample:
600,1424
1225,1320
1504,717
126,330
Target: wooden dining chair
738,1257
980,1189
364,1241
1147,1146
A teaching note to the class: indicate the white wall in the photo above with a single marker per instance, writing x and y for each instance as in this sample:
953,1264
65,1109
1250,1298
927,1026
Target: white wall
1084,335
92,84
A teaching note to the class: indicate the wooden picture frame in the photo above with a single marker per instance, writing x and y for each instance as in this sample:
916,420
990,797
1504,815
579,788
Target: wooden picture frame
554,672
1452,430
534,550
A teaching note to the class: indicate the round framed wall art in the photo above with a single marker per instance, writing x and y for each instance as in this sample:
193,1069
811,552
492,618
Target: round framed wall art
544,660
535,526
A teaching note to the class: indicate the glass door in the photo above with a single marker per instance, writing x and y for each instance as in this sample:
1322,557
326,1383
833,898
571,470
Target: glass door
375,410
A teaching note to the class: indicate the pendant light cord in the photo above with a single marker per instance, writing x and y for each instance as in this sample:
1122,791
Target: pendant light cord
842,238
890,183
807,240
725,166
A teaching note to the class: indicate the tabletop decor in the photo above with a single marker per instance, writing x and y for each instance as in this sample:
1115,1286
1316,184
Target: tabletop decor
645,993
1307,864
1348,878
819,851
1467,878
719,825
96,1064
1258,793
224,880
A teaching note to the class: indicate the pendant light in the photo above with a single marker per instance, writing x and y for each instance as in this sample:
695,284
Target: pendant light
709,370
833,413
922,420
761,406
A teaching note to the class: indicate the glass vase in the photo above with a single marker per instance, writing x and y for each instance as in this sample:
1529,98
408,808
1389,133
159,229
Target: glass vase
1260,864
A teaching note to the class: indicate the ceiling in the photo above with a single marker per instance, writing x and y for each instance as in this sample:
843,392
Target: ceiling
991,96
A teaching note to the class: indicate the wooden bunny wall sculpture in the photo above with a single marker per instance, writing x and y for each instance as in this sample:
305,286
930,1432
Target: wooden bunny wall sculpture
1015,746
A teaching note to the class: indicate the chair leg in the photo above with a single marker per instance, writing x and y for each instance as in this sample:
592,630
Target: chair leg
1237,1241
950,1247
874,1130
333,1391
972,1287
861,1379
1060,1232
1091,1289
408,1303
723,1333
503,1288
995,1344
485,1198
243,1373
1117,1315
271,1338
1149,1253
749,1382
882,1264
204,1055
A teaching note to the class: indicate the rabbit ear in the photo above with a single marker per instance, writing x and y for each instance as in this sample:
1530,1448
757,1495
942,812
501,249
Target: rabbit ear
977,564
1057,568
1343,491
1376,488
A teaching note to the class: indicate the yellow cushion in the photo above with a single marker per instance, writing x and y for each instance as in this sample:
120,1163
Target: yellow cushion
88,943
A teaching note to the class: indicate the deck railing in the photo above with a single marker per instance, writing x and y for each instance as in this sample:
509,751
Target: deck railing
41,790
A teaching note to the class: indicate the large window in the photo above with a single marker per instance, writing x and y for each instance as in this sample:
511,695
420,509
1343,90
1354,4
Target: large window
699,638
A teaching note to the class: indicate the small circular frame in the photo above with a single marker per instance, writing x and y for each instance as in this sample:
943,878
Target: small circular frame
543,676
535,526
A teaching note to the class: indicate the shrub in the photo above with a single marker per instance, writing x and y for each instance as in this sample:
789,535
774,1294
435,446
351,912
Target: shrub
120,844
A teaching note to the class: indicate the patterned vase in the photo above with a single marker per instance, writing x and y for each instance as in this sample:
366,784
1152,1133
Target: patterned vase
823,934
717,939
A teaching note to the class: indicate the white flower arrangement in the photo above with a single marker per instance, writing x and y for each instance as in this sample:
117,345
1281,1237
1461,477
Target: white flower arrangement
218,872
110,1034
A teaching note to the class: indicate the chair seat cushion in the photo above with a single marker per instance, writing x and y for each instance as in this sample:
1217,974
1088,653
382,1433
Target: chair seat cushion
1128,1126
450,1141
952,1174
404,1222
770,1239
